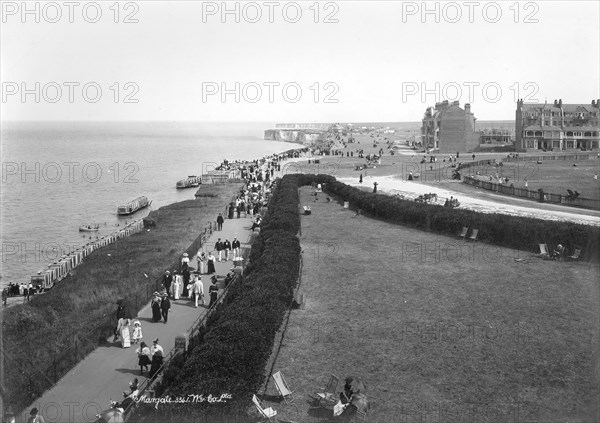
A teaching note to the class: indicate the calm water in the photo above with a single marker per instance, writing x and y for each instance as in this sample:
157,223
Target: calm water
57,176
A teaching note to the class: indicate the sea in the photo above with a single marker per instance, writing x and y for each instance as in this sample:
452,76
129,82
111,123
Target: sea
57,176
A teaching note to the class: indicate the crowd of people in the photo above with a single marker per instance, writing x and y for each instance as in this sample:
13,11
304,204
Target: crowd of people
20,290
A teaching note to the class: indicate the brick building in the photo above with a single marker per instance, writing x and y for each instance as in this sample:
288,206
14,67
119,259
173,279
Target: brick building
447,128
557,126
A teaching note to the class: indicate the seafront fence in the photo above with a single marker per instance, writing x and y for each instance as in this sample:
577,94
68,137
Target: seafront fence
587,203
547,157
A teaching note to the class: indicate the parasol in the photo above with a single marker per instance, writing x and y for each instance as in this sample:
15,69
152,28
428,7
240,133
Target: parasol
361,402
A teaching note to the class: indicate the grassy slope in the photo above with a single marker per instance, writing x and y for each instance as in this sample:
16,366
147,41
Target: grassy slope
474,335
48,325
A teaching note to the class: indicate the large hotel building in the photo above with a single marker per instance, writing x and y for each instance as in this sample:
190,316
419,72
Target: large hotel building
557,126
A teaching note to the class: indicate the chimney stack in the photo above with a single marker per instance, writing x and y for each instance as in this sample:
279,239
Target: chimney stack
467,108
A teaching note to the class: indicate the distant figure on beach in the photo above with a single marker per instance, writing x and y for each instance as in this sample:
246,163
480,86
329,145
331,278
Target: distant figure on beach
211,264
360,179
375,187
473,156
220,221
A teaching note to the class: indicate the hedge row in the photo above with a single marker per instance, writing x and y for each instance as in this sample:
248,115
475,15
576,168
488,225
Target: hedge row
516,232
238,339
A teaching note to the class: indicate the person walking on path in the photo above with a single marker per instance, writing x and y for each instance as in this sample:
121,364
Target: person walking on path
186,281
235,245
213,290
220,221
211,264
201,260
176,286
157,358
155,304
185,261
165,306
34,416
198,290
144,354
123,331
137,335
167,281
227,248
219,248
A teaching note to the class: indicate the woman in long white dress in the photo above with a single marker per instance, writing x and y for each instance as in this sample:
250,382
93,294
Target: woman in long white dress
123,330
176,285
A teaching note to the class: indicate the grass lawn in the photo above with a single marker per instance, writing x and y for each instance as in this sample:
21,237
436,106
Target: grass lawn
553,176
439,329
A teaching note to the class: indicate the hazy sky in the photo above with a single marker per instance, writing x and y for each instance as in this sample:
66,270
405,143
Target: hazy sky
360,61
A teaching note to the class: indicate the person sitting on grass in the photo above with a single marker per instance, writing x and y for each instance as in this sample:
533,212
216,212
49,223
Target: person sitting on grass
346,394
559,251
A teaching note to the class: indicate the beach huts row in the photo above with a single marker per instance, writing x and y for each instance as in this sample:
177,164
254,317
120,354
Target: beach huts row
60,269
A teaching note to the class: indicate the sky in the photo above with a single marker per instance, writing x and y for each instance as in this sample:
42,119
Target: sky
280,61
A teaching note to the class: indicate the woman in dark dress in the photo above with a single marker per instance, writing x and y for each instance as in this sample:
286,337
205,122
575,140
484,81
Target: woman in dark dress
213,290
211,263
143,353
186,280
156,314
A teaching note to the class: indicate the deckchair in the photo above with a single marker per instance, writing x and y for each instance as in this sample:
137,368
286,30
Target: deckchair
463,233
575,255
283,388
267,413
327,396
473,236
544,250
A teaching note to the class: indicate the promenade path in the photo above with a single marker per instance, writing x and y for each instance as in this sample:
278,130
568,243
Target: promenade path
106,372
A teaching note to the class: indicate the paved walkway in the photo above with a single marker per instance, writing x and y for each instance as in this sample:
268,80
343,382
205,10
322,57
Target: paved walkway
106,372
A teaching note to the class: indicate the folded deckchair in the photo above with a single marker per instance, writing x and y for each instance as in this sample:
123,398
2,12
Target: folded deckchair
463,233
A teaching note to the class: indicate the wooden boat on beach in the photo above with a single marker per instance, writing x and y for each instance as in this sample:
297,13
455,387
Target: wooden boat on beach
89,228
189,182
133,206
